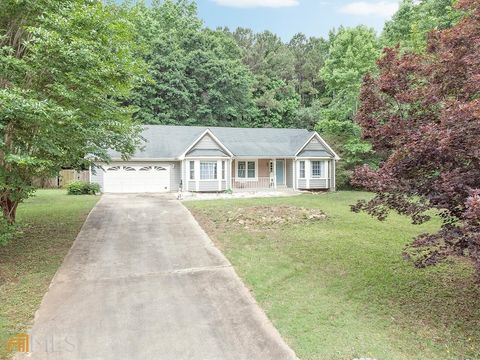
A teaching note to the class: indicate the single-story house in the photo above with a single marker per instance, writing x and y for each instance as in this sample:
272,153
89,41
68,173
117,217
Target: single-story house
213,159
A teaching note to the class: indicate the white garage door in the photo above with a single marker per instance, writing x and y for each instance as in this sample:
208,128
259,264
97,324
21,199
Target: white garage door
137,179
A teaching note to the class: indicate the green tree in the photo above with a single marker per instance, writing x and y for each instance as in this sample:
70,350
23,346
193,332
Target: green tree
272,64
352,54
197,77
413,21
64,69
276,103
309,58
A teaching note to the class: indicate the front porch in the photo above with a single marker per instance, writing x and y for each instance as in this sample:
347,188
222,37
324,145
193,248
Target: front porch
262,174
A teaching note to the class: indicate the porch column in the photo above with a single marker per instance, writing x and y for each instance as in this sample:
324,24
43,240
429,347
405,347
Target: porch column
219,174
183,175
232,172
333,185
197,175
294,175
308,173
274,173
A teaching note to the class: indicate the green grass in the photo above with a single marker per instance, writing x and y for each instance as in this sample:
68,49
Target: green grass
340,289
49,222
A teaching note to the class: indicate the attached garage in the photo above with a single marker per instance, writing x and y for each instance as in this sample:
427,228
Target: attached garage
145,178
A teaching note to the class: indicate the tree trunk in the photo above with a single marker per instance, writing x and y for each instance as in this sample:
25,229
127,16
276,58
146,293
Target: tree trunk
9,208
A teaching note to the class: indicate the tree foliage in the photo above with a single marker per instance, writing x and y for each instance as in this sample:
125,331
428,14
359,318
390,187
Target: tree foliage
197,77
423,114
64,68
414,20
351,55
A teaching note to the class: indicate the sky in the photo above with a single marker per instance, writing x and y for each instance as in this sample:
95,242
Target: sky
288,17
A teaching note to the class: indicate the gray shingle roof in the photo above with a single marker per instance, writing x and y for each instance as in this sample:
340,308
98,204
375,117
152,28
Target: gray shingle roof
314,153
207,152
170,142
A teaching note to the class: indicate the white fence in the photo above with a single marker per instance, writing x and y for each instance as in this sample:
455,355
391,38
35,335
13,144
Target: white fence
258,183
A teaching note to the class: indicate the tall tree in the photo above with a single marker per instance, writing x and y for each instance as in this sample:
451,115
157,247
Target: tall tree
272,64
309,56
64,69
423,114
352,54
197,77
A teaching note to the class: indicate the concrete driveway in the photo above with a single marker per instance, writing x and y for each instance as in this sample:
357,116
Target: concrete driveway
143,281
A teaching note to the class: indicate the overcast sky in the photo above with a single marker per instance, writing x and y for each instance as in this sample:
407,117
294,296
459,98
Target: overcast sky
287,17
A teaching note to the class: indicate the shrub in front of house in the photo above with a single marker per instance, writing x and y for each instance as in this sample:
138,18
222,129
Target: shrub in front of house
82,188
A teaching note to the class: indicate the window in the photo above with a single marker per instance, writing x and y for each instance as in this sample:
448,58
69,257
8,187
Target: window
128,168
251,169
159,168
208,170
317,169
113,168
241,169
145,168
192,170
223,170
302,169
247,169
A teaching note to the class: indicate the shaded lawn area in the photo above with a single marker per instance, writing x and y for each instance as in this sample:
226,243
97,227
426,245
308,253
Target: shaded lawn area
49,222
339,288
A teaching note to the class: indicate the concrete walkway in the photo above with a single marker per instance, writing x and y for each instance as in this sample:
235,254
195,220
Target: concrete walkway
143,281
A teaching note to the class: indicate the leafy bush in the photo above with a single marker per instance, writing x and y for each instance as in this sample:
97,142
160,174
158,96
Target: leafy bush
7,231
82,188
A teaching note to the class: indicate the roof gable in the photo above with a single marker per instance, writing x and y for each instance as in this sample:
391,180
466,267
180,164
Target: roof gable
316,145
207,141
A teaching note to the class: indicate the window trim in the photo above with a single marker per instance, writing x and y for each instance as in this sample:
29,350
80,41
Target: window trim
246,178
200,170
322,169
300,169
191,171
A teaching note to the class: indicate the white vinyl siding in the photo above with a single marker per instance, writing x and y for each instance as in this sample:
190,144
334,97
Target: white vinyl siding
315,144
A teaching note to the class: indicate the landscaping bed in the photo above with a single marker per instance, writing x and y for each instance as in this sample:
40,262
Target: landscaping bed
259,217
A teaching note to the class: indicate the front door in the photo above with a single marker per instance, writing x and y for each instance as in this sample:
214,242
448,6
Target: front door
280,165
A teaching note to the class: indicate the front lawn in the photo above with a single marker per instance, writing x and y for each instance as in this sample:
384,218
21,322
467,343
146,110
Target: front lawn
338,288
50,222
